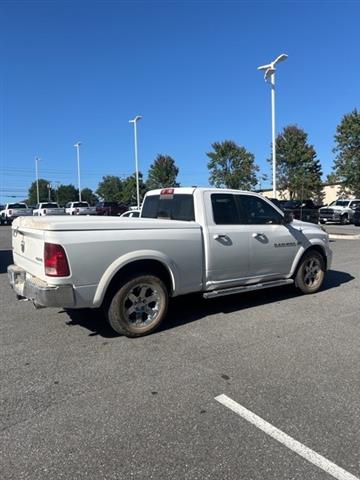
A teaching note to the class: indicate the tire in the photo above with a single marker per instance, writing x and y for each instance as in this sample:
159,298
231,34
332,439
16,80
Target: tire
322,222
311,272
132,319
344,219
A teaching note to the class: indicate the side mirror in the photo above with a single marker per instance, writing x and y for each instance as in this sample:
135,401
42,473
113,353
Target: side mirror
288,217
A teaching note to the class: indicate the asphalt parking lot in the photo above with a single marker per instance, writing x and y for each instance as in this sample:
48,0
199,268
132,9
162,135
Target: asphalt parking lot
79,402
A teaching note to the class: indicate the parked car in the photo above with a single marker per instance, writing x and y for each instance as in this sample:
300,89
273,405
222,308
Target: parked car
340,211
110,208
356,217
79,208
12,211
216,242
48,208
131,213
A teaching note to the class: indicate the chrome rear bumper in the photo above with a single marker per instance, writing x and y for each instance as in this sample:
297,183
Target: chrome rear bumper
38,291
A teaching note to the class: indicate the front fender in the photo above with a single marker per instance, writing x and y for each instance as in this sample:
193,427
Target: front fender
309,244
128,258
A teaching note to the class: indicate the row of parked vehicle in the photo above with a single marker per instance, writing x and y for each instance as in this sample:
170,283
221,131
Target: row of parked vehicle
11,211
342,211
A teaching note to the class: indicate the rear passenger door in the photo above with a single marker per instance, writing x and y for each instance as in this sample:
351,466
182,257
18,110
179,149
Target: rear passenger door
227,242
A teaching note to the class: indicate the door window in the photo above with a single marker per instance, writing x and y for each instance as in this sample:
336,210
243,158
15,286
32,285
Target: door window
258,212
224,207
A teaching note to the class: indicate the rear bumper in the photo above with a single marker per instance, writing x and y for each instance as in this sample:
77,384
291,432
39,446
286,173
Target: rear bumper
38,291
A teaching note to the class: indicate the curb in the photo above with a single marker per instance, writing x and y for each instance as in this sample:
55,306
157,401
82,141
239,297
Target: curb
344,237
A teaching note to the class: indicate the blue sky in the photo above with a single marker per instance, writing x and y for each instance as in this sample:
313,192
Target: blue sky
73,70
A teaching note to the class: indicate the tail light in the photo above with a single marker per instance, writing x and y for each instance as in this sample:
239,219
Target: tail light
77,210
44,211
10,212
55,261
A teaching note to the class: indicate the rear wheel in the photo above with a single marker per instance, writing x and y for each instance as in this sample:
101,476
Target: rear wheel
139,306
311,272
322,222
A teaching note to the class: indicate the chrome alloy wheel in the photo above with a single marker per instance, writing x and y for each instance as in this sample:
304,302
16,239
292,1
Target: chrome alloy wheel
141,304
312,272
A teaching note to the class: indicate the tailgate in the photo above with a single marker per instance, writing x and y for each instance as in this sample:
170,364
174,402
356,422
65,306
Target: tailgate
28,250
21,212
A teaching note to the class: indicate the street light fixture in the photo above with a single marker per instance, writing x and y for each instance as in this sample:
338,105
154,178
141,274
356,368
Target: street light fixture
134,121
37,178
269,77
77,146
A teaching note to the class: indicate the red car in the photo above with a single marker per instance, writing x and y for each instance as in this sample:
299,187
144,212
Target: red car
110,208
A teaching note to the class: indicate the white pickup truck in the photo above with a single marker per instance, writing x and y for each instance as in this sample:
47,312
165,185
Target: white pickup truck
217,242
79,208
14,210
48,208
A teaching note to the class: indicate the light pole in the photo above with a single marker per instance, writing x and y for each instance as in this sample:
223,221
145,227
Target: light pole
270,77
77,146
134,121
37,178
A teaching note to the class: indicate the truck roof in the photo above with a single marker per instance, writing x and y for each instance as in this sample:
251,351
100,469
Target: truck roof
192,190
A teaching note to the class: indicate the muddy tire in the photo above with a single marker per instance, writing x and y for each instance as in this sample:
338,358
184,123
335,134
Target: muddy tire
139,306
311,272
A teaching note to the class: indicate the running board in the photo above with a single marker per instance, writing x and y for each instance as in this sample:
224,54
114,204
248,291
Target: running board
247,288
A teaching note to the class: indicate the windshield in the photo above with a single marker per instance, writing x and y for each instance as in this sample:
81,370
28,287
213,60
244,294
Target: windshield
81,204
340,203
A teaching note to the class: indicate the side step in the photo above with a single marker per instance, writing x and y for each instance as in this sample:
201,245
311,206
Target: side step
247,288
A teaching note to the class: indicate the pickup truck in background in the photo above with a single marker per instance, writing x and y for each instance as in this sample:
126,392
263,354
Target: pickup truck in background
48,208
12,211
110,208
303,210
339,211
212,241
79,208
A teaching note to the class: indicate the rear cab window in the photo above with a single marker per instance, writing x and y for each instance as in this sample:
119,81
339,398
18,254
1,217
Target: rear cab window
171,207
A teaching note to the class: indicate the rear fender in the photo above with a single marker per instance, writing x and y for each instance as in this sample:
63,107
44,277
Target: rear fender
129,258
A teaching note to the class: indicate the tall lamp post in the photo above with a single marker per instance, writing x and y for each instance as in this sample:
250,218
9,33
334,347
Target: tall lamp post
269,77
134,121
77,146
37,178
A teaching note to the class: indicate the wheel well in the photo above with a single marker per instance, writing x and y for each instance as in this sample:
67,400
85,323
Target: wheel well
316,248
152,267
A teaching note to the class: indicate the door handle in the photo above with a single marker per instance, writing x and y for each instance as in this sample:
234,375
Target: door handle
220,237
257,235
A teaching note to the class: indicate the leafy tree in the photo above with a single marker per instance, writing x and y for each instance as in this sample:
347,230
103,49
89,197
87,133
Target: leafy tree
232,166
162,173
129,189
43,192
298,168
332,178
347,161
66,193
87,195
110,188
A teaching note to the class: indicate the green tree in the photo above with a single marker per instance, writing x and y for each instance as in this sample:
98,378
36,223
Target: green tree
298,168
110,188
231,166
347,150
332,178
162,173
129,189
87,195
43,192
66,193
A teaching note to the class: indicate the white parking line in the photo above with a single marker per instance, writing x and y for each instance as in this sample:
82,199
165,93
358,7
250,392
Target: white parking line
289,442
